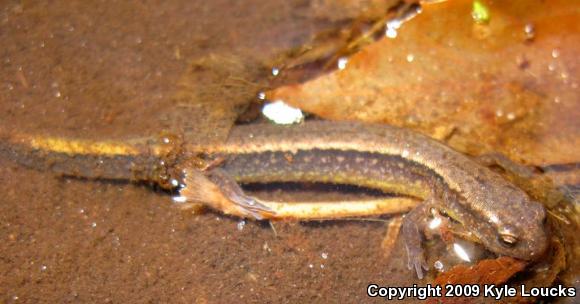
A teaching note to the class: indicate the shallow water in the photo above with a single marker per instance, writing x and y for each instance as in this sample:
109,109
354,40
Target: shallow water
120,70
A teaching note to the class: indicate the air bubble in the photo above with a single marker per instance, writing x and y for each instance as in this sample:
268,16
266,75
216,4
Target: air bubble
282,113
241,224
461,252
342,61
392,27
438,265
179,199
174,182
530,31
435,223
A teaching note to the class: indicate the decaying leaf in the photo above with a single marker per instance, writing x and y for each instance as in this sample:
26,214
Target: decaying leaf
508,85
496,271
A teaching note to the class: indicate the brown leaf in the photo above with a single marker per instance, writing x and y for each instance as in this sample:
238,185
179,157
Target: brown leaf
496,272
510,85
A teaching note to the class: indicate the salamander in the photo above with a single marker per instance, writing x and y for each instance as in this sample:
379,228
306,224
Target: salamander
391,159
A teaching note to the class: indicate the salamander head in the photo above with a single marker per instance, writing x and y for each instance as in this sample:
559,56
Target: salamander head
521,235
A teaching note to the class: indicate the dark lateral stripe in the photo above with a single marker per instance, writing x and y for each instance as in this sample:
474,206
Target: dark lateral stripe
115,167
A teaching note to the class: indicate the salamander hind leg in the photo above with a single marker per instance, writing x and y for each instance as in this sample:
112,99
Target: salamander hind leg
218,190
413,226
250,205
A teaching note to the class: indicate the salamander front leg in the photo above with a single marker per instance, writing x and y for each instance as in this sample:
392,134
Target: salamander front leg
530,179
500,160
412,229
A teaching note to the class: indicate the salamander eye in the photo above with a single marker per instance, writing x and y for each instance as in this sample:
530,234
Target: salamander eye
507,236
